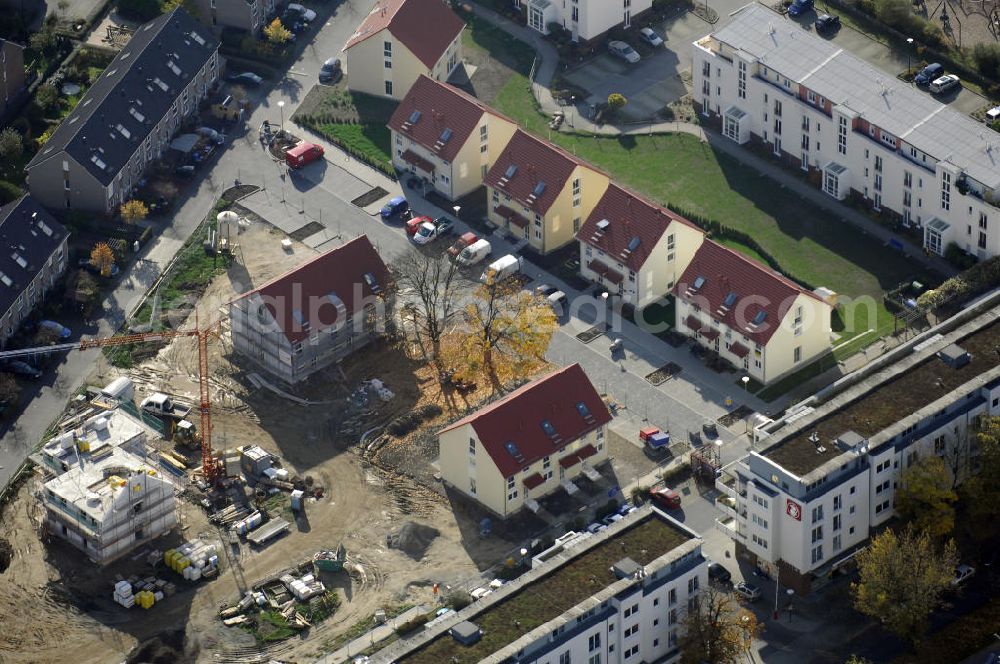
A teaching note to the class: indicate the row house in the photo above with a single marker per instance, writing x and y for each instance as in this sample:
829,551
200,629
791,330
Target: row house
446,137
818,483
34,247
760,322
586,20
399,41
316,314
856,129
102,150
635,248
247,15
532,442
540,193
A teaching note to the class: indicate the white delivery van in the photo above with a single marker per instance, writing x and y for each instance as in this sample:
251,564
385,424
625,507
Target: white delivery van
474,253
502,268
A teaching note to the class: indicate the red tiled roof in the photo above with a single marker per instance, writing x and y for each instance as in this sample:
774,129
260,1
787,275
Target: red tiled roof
757,288
412,157
536,161
302,295
630,216
569,460
739,350
518,417
426,27
600,268
441,107
586,451
534,481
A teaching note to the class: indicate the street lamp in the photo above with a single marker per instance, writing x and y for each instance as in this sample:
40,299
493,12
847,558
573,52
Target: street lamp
281,108
746,382
456,209
572,105
909,45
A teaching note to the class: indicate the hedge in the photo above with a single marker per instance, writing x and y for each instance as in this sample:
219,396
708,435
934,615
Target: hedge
977,279
314,122
718,229
411,625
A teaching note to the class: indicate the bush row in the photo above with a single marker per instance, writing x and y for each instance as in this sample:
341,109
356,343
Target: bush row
408,422
411,625
977,279
717,229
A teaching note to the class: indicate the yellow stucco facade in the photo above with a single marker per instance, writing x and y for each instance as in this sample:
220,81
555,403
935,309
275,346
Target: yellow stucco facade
383,66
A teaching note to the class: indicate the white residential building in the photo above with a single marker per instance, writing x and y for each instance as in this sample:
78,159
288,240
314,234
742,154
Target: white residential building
857,128
818,482
93,438
646,573
109,504
587,20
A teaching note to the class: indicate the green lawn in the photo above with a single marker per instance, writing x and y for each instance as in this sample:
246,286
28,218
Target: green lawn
812,245
370,141
742,248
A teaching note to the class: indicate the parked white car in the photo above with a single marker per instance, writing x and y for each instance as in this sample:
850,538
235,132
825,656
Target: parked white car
962,574
307,15
623,51
946,83
650,37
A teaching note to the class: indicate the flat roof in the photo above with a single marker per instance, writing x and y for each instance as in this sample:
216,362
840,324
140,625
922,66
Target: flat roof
876,95
903,393
555,592
109,429
89,486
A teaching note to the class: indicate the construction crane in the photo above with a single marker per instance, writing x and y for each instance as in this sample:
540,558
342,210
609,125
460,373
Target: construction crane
210,468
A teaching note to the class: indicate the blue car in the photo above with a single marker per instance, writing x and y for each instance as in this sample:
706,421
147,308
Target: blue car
395,207
800,7
930,73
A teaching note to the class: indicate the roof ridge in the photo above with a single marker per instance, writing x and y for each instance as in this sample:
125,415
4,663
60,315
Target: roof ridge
764,268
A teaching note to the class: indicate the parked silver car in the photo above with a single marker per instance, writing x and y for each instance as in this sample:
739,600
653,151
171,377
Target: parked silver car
623,51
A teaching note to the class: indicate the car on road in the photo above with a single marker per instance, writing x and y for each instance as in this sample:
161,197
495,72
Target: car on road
305,13
962,574
827,23
247,78
649,36
465,240
710,430
595,528
718,573
432,230
413,225
212,135
331,71
559,303
184,171
544,290
396,207
612,519
623,51
22,369
944,84
293,23
800,7
666,497
747,591
929,73
60,329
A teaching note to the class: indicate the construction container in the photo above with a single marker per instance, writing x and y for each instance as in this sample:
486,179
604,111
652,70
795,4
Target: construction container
158,596
297,500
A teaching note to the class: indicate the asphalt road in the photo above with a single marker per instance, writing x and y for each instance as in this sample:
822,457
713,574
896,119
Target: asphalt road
243,158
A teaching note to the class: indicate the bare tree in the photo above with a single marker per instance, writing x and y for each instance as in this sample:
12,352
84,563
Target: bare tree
717,629
431,285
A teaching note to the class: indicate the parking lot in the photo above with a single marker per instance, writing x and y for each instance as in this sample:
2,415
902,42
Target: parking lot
659,78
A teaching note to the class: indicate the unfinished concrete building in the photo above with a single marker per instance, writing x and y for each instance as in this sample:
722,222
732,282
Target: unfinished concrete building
92,439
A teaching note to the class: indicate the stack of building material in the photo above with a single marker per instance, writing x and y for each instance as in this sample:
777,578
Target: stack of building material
305,587
145,599
123,594
248,524
193,559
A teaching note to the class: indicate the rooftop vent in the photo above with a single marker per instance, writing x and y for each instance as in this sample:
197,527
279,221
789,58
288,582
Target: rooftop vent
466,633
626,568
849,440
954,356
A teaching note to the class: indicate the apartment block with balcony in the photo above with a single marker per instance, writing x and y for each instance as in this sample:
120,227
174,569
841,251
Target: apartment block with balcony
532,442
34,247
446,137
540,193
99,153
641,576
586,20
762,323
635,248
858,130
819,481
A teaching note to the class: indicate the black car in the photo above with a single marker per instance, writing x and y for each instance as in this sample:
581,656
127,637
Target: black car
717,572
331,71
827,23
246,78
293,22
185,171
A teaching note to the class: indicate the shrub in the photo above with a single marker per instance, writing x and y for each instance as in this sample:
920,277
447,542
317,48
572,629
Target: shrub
411,625
973,281
674,476
430,410
458,599
9,192
987,59
640,495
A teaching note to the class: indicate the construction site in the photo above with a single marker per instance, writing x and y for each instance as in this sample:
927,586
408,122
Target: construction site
273,543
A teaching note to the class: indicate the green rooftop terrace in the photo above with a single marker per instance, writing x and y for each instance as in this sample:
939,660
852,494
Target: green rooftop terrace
553,594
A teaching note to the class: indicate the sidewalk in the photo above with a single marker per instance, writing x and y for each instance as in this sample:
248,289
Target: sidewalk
548,60
373,637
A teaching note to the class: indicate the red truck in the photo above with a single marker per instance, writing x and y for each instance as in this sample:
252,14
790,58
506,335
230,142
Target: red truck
302,154
461,243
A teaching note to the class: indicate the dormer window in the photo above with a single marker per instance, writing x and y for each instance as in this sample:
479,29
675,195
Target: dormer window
582,409
699,282
511,170
759,318
539,189
414,117
730,300
548,428
446,135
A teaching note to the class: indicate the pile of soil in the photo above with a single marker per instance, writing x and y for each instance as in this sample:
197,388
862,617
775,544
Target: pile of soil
413,539
167,648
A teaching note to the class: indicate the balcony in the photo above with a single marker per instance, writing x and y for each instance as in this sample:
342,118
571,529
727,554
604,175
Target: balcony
731,529
731,509
726,484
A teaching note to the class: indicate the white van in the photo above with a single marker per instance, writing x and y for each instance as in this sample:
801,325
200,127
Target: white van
502,268
474,253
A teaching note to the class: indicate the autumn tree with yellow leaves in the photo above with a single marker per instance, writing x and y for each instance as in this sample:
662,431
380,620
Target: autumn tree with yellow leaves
925,497
717,630
901,580
133,211
102,257
505,333
276,32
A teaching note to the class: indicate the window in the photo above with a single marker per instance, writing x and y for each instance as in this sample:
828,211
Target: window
836,522
817,554
594,642
672,597
907,179
842,136
797,354
817,534
634,650
946,191
387,49
885,465
817,513
484,133
629,631
388,88
838,502
472,446
672,617
564,658
836,543
594,659
692,585
472,486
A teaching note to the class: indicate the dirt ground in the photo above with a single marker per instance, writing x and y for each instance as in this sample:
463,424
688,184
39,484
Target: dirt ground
51,599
